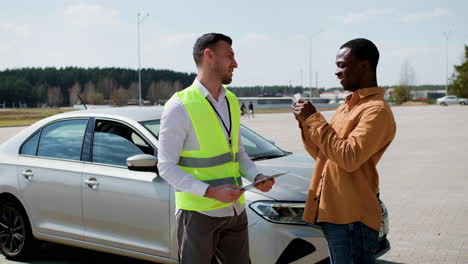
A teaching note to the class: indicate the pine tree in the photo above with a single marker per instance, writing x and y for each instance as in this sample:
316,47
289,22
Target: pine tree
459,85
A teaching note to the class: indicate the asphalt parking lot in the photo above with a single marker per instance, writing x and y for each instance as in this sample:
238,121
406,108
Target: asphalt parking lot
423,181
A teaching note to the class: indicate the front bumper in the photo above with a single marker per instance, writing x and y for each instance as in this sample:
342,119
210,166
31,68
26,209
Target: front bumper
273,242
298,244
282,243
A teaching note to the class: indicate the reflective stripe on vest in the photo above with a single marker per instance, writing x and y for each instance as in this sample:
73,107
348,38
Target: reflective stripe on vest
207,162
218,182
216,162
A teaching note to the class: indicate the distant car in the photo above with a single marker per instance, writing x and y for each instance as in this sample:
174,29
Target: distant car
89,179
451,99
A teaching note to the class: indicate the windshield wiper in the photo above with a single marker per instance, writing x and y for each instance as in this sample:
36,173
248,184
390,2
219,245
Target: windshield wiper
265,157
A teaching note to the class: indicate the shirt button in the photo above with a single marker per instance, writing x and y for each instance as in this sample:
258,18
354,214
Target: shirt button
315,198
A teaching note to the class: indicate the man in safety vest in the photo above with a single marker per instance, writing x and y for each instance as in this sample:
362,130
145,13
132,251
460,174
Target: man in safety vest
201,155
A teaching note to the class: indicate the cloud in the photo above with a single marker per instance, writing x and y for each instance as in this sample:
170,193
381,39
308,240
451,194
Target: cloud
90,15
249,38
254,37
413,52
365,16
177,39
426,15
168,50
15,29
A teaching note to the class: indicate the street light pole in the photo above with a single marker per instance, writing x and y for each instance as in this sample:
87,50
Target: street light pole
316,83
310,59
446,34
310,67
139,21
300,74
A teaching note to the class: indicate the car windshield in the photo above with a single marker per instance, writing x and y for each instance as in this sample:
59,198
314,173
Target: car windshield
256,146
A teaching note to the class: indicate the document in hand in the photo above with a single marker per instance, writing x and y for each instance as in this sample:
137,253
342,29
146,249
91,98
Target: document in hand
297,97
250,186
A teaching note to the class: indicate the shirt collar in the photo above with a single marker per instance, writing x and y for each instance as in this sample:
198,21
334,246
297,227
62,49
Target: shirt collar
206,92
364,92
370,91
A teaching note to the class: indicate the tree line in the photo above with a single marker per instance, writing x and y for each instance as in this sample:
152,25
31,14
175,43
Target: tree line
457,83
35,87
51,86
267,91
61,86
459,80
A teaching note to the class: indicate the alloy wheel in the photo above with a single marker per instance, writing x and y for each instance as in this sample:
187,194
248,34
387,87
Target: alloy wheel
12,230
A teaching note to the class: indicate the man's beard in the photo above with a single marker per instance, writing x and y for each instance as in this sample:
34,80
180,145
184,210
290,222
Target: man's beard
226,79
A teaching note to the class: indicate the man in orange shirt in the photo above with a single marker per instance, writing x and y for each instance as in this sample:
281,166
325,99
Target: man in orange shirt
342,195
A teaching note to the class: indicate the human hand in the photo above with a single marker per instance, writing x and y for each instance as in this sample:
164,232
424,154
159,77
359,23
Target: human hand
224,193
302,109
266,185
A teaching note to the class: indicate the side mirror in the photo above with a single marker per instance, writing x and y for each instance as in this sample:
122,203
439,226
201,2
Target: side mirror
143,162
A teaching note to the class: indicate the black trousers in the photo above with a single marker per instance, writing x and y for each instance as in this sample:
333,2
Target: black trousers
201,238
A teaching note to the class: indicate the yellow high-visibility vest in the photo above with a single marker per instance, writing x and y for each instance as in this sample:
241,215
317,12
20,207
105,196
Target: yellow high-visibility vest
216,162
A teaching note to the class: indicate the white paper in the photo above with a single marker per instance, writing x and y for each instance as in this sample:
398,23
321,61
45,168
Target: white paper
297,96
250,186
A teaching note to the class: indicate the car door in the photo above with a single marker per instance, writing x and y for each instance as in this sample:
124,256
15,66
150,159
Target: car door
122,208
49,175
451,100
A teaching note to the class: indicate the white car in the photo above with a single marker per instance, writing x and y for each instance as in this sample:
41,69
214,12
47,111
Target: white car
451,99
89,179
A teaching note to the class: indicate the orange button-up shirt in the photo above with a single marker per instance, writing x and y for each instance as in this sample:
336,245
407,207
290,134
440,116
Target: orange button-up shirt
346,150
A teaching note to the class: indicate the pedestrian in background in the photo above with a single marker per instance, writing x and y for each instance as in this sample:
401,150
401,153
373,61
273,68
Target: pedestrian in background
243,108
251,110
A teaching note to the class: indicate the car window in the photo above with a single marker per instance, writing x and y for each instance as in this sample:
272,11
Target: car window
152,126
30,146
248,145
113,143
257,147
63,139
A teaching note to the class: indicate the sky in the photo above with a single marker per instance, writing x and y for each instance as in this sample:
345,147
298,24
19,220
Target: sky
276,42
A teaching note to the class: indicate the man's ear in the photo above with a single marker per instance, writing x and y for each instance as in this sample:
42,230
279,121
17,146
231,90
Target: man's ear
365,66
208,55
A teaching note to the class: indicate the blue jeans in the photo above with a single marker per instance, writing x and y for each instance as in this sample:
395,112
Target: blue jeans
353,243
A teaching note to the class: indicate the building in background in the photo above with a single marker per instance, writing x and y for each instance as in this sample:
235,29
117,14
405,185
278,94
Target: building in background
427,94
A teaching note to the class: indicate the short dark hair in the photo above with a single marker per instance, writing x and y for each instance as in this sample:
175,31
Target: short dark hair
207,40
364,49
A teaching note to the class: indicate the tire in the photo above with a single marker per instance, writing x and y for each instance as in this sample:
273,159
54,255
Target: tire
463,103
16,239
443,104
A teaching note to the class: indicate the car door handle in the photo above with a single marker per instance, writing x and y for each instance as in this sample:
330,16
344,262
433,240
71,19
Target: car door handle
28,174
92,183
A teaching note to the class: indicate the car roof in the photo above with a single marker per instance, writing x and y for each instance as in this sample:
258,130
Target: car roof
136,113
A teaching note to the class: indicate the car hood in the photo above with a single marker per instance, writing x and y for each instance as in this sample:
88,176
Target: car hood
292,186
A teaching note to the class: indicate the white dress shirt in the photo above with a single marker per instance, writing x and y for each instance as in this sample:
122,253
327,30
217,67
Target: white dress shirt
177,133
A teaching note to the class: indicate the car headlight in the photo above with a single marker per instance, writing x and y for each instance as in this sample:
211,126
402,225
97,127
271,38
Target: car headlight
280,212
